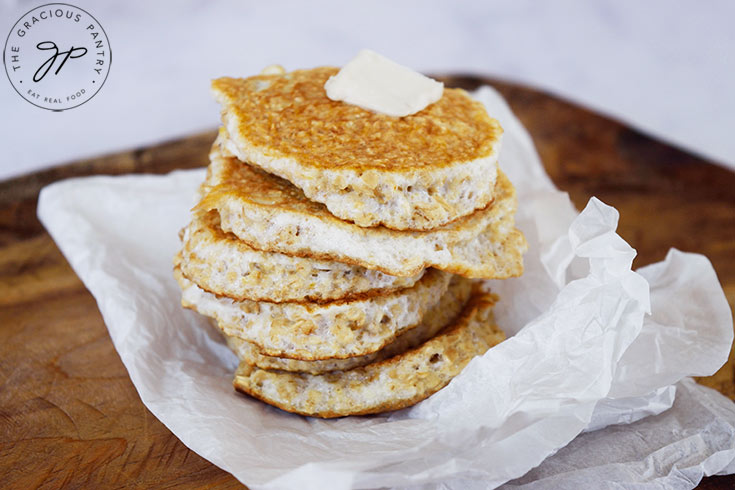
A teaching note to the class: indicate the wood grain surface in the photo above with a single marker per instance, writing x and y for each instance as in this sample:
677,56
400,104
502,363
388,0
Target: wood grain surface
69,415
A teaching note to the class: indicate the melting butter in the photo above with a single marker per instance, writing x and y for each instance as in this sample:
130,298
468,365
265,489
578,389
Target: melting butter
375,83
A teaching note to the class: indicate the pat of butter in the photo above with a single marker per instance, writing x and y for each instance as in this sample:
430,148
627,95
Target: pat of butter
375,83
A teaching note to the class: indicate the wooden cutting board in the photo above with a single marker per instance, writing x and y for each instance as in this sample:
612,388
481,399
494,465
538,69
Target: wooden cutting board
69,415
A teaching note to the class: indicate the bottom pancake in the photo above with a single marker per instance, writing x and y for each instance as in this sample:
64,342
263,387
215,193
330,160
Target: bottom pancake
441,314
390,384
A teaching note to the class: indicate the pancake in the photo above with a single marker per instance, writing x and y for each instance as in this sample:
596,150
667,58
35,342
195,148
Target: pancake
226,266
416,172
390,384
443,312
311,331
268,213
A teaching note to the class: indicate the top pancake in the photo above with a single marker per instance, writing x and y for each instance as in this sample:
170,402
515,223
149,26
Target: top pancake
416,172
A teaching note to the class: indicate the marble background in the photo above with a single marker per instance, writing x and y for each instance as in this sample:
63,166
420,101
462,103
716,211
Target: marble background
665,67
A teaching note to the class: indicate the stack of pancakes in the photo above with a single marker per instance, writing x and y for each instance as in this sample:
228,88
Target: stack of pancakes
338,249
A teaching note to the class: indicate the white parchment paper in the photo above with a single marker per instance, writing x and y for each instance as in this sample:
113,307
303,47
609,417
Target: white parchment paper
593,344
